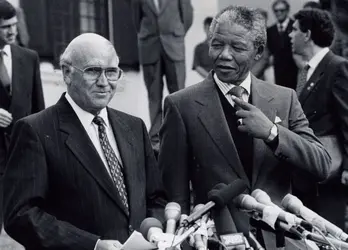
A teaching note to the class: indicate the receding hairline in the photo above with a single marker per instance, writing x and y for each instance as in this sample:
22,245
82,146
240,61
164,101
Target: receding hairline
83,45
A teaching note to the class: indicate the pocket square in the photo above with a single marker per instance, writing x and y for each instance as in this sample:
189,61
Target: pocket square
277,120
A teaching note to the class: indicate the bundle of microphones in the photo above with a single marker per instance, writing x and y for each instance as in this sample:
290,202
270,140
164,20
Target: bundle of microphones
211,226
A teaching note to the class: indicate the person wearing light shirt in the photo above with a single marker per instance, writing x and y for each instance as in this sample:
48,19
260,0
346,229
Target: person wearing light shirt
324,99
81,175
21,91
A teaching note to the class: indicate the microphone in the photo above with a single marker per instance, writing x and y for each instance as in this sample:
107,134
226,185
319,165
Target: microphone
172,213
182,229
152,230
200,239
249,203
218,198
295,205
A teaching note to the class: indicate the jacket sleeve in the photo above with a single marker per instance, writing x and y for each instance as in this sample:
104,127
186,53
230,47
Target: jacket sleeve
340,96
173,157
186,13
299,146
26,185
38,102
155,193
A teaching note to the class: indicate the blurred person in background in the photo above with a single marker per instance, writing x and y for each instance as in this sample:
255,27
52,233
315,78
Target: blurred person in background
161,26
81,175
20,82
201,61
260,66
285,69
312,4
323,79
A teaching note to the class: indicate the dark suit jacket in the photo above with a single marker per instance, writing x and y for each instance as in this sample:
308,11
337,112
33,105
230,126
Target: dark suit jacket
324,101
27,96
285,69
163,30
196,145
58,194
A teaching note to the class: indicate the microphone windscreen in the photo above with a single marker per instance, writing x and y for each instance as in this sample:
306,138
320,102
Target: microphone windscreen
226,194
223,221
149,223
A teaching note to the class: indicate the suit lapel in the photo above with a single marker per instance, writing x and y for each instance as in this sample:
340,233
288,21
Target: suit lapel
213,119
163,5
152,6
82,147
315,77
18,73
125,142
261,98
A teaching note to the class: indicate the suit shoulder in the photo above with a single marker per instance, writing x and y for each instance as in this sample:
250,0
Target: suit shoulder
188,92
42,119
25,51
127,118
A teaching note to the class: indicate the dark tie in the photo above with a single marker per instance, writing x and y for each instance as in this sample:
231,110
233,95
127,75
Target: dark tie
4,77
113,163
302,79
239,92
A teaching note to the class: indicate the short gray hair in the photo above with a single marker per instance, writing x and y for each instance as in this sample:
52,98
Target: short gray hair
251,19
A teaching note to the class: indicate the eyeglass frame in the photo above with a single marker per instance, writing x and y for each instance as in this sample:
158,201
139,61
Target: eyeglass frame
103,71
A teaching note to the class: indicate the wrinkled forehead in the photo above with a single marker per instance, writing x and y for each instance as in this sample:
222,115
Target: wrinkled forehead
103,55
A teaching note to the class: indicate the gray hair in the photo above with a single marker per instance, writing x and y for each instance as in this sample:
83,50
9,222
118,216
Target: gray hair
251,19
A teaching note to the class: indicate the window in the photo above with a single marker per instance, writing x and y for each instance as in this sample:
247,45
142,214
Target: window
93,16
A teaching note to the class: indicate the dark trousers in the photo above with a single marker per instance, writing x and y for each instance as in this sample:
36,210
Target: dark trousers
175,74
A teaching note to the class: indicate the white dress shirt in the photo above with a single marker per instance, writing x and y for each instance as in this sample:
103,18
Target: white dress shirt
316,59
156,2
91,128
282,26
226,87
8,60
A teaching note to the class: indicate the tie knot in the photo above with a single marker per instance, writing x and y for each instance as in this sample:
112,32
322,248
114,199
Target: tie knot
237,91
306,67
98,120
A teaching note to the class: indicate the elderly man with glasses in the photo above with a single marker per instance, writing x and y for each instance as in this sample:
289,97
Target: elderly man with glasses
81,175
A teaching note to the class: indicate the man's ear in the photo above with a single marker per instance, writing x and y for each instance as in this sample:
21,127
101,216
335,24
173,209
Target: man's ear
66,74
308,35
259,52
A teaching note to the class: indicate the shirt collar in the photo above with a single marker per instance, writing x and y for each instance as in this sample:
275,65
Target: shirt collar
285,23
316,59
7,50
226,87
85,117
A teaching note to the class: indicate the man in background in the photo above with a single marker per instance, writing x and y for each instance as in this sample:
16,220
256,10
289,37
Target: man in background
81,175
161,26
20,83
323,93
202,63
285,69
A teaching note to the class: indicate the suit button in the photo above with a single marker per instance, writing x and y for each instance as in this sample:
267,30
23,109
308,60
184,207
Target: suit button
130,228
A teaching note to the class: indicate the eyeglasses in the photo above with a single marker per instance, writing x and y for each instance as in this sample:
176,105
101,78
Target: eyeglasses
280,10
94,72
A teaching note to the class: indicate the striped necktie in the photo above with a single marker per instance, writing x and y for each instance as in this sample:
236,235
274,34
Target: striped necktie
302,79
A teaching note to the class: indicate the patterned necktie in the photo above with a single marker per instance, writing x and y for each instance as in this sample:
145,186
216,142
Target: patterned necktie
113,163
239,92
4,77
302,79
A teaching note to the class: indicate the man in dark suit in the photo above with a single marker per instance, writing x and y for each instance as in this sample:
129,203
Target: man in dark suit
161,26
323,94
20,82
80,175
203,139
278,41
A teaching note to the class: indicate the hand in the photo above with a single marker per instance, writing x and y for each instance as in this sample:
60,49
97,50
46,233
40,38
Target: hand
108,245
255,123
344,177
5,118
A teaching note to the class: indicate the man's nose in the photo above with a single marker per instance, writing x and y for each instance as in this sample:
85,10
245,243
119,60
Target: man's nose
102,80
226,53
